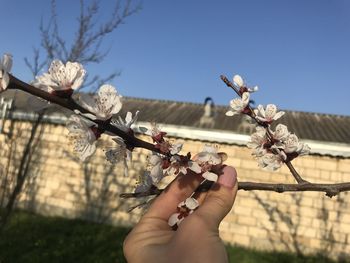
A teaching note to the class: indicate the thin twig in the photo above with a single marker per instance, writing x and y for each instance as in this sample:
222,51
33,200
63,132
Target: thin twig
330,189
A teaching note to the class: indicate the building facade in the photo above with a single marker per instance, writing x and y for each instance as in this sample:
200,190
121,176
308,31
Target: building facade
303,222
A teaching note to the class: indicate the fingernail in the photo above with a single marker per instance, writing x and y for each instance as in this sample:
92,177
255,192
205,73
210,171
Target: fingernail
229,177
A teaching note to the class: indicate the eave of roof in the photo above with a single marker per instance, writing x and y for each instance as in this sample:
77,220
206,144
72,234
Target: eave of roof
320,130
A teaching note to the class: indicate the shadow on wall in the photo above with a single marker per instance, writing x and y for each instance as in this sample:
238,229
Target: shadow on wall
20,150
98,195
291,224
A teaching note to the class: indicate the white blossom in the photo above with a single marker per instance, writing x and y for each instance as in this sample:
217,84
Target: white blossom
175,148
175,219
185,208
178,165
239,82
291,143
156,171
5,68
269,114
194,167
125,124
257,141
190,203
119,153
104,104
206,159
303,149
281,132
144,184
270,161
82,137
61,77
238,104
210,176
209,155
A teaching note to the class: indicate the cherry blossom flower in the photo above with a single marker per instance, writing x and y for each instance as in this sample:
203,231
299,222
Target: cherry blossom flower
291,143
180,164
269,114
190,203
156,171
185,208
156,133
82,137
303,149
61,78
119,153
209,155
175,148
175,219
5,68
281,132
239,105
210,176
257,141
125,125
106,103
271,161
176,166
239,82
206,159
144,184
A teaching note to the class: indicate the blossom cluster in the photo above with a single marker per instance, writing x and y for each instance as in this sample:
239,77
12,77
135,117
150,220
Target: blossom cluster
62,80
271,148
184,209
173,164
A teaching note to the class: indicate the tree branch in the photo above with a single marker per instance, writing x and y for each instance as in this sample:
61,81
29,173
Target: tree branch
70,104
329,189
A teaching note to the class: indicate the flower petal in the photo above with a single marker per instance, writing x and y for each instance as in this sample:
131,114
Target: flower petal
237,79
191,203
210,176
173,219
194,167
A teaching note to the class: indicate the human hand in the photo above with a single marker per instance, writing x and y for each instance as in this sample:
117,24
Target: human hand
197,237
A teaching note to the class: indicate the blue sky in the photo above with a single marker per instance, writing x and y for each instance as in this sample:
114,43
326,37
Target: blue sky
297,52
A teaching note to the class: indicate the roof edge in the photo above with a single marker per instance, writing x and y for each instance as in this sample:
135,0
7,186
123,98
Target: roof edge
219,136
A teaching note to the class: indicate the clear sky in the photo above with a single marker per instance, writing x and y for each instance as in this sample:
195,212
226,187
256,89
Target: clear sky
296,51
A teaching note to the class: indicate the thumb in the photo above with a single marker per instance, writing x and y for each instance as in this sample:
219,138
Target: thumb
220,198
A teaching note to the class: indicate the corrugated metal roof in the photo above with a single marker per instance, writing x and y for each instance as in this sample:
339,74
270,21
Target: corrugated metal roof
310,126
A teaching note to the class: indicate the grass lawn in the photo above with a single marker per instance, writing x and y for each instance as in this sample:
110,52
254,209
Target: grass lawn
33,238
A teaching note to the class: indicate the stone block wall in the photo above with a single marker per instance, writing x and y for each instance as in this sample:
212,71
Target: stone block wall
58,184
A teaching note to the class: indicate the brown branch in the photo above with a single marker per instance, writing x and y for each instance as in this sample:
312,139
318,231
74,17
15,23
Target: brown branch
330,189
295,174
70,104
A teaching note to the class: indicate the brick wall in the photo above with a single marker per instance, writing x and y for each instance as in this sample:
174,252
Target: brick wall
59,184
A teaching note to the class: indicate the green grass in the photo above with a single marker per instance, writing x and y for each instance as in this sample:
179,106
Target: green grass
33,238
